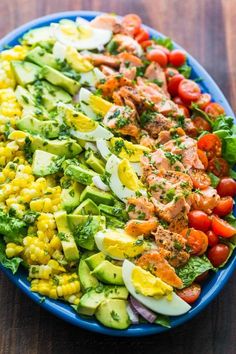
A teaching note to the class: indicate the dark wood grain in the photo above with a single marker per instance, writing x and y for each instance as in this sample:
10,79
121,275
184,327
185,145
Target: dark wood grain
207,29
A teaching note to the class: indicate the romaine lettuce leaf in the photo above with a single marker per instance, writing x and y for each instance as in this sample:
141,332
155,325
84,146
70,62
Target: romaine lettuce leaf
13,263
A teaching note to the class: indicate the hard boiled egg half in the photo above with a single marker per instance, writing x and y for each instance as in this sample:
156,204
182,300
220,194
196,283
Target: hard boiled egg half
80,35
83,127
117,244
152,292
123,180
92,105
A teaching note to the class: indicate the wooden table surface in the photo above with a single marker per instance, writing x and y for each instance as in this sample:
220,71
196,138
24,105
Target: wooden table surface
207,29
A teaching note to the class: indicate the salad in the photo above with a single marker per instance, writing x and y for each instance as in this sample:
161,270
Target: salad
116,171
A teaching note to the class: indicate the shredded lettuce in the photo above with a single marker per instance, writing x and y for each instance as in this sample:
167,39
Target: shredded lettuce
13,263
214,179
163,320
11,228
195,267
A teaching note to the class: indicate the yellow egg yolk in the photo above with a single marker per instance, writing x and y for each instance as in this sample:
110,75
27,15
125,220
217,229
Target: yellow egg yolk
74,32
147,284
77,61
78,121
127,150
99,105
127,175
122,245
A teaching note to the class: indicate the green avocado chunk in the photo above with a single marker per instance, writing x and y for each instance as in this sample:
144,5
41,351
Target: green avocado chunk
70,195
97,196
41,57
108,273
44,163
25,72
80,174
87,280
87,207
45,128
112,313
94,260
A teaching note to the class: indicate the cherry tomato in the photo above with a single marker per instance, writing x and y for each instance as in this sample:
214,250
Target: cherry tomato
173,84
202,277
196,240
222,227
199,220
146,44
158,56
214,109
218,254
218,166
142,35
210,143
178,100
213,239
204,100
203,157
189,91
201,124
177,57
185,110
224,206
200,179
190,294
164,49
132,23
226,187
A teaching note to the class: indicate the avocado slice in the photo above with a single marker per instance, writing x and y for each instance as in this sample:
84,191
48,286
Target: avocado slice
87,207
90,301
94,260
95,163
108,273
118,210
69,246
112,222
87,280
49,94
25,72
44,163
97,196
55,77
80,174
38,35
45,128
41,57
70,195
67,147
113,313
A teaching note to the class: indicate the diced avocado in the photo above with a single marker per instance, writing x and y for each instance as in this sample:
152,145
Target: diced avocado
38,35
87,207
80,174
118,210
87,280
70,194
25,72
108,273
41,57
69,246
49,94
67,147
57,78
75,220
112,222
94,260
95,163
47,128
44,163
113,313
24,97
90,301
97,196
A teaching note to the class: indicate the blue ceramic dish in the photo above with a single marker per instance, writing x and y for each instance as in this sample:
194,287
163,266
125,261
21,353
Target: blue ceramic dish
214,284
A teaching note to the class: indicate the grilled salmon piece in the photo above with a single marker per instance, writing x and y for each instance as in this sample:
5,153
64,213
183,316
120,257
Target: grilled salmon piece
113,83
129,65
157,122
127,44
137,227
140,208
205,200
172,246
158,265
172,209
155,72
107,70
179,223
107,22
102,59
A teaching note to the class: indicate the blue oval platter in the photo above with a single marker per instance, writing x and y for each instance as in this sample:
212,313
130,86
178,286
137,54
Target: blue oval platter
213,285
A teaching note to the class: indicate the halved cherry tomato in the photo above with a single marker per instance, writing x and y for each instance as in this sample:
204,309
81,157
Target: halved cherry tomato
224,206
178,100
204,100
222,227
147,43
173,84
199,220
185,110
213,239
132,22
218,166
202,277
196,240
170,72
218,254
190,294
142,35
189,91
210,143
214,109
200,179
203,157
158,56
177,57
201,124
227,187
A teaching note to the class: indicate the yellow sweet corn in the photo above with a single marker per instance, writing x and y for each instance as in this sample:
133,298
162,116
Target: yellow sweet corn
13,250
56,267
16,53
44,287
68,284
7,78
36,251
40,271
73,299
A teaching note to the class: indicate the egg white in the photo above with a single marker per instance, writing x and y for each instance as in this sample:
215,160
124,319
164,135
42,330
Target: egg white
174,307
84,97
93,135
